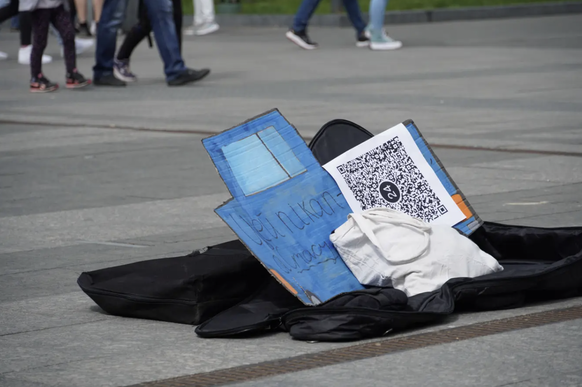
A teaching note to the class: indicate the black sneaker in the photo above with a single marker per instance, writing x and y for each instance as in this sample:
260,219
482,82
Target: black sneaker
76,80
301,39
188,76
41,84
108,80
363,40
84,30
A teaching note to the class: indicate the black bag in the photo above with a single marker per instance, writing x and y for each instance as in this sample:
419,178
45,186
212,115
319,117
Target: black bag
188,289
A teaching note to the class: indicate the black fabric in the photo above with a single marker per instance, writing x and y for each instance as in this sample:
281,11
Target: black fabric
188,289
25,20
350,316
9,10
258,313
539,264
335,138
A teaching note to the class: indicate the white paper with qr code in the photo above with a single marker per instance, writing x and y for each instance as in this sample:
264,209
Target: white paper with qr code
389,170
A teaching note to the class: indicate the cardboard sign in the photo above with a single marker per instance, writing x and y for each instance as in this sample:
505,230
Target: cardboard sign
397,169
284,206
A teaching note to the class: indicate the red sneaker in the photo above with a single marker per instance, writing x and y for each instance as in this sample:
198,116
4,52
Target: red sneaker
41,84
76,80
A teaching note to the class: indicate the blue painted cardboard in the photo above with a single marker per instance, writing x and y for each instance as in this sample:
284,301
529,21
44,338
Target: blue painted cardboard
284,206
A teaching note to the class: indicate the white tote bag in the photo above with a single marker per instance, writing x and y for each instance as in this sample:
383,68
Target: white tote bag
383,247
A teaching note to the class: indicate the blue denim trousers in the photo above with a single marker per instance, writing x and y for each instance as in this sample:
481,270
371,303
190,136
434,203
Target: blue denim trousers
377,12
161,17
307,8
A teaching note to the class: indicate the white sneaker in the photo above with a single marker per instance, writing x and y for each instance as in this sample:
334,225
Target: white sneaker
206,28
190,31
380,41
93,28
81,45
24,56
3,55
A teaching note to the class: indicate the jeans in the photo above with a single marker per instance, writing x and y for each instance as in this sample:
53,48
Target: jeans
112,16
143,28
161,16
377,12
307,8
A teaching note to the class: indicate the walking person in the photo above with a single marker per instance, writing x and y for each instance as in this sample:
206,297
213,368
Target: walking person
42,13
298,32
25,24
379,40
139,32
160,13
204,23
10,10
79,9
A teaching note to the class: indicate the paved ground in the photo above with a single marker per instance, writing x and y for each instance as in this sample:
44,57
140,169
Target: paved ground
78,195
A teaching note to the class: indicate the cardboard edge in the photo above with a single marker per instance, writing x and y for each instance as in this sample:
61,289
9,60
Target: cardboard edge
454,184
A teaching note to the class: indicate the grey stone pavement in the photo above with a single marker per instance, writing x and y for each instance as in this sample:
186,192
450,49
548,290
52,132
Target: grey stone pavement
101,177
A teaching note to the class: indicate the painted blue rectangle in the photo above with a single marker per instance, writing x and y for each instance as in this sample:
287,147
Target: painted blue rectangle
253,166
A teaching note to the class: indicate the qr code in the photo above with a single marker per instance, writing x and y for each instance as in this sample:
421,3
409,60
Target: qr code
386,176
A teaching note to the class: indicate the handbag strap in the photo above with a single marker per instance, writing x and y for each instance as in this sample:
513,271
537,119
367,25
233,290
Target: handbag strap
398,219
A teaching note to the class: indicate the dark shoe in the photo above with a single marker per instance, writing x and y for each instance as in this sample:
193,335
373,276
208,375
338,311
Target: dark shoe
122,72
41,84
108,80
363,40
76,80
189,76
84,30
301,39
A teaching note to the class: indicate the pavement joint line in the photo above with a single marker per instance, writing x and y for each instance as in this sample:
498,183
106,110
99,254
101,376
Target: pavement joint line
114,244
508,150
368,350
100,126
52,327
306,138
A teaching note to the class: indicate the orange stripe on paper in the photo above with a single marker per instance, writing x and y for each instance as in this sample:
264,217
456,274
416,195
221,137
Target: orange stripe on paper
462,206
283,281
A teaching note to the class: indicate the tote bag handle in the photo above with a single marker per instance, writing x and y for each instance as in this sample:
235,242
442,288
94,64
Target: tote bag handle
398,219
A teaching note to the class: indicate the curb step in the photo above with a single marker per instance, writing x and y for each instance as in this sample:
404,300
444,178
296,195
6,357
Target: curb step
402,17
